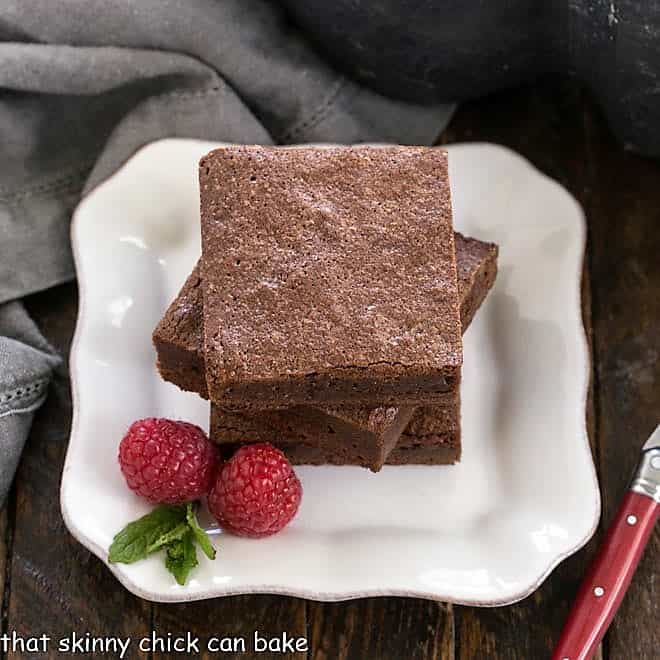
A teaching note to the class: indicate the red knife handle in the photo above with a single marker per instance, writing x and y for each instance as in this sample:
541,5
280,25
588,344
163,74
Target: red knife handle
608,577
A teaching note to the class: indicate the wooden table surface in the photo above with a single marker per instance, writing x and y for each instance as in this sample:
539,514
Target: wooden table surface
53,585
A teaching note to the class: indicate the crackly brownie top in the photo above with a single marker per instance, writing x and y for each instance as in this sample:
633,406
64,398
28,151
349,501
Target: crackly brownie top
322,259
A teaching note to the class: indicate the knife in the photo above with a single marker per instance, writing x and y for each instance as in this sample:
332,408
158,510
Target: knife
609,575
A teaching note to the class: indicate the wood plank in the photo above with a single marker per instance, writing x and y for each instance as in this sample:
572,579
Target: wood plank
58,587
625,244
544,123
236,617
383,628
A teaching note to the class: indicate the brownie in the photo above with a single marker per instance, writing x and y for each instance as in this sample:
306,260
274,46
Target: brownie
476,266
443,448
329,435
431,437
337,433
179,340
328,275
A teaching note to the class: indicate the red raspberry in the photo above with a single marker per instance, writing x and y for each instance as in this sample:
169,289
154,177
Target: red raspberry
167,462
256,492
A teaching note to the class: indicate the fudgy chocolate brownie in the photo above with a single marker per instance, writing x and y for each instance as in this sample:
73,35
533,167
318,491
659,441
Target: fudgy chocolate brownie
328,275
476,263
179,339
330,435
179,344
445,451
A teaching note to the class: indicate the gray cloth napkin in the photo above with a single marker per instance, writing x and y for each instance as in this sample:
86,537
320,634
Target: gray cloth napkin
85,83
27,363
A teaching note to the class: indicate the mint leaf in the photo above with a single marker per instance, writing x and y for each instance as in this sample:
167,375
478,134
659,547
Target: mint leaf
175,534
134,541
200,535
181,557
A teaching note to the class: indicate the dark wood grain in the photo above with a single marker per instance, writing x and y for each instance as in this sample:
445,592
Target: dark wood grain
57,586
386,628
545,123
237,616
625,254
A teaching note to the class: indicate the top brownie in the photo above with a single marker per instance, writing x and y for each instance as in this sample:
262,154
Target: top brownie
329,275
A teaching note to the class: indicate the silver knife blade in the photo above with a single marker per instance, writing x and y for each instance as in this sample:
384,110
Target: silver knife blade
654,441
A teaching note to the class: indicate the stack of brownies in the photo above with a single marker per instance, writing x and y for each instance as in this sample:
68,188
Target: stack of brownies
326,312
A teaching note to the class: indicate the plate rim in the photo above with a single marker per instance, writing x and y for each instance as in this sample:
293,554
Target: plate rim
178,596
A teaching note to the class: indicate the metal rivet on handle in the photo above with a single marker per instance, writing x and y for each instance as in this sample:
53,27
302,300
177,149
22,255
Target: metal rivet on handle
631,520
598,591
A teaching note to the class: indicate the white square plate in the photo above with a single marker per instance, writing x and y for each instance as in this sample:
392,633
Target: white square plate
485,532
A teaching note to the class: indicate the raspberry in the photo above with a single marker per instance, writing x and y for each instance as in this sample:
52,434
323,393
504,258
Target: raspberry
167,462
256,493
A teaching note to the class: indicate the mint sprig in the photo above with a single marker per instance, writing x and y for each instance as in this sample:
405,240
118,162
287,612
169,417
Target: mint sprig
172,528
